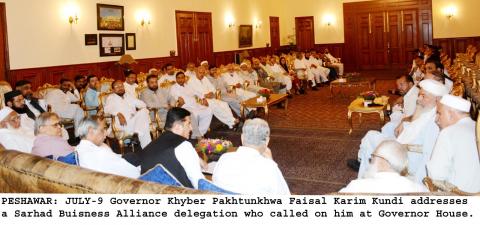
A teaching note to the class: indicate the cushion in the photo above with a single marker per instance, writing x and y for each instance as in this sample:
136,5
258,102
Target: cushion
206,185
160,174
71,159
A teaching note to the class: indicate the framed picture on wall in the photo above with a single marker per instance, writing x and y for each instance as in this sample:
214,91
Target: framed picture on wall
131,41
91,39
110,17
245,36
112,44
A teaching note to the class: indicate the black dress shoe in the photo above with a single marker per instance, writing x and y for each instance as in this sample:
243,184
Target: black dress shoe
315,88
354,164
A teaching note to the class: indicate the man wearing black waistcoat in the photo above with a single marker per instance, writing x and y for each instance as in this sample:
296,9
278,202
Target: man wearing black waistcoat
173,150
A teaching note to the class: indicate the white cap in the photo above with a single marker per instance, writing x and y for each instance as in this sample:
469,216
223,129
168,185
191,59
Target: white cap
433,87
5,112
456,102
204,62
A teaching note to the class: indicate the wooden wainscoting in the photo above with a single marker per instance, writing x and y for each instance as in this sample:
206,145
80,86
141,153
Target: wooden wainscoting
53,74
226,57
451,46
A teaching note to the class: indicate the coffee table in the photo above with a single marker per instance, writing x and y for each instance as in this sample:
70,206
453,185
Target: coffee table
252,103
357,107
351,83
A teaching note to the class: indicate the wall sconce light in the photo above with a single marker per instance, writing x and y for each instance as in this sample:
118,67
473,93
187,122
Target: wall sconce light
71,13
450,12
73,19
258,24
328,20
229,20
143,17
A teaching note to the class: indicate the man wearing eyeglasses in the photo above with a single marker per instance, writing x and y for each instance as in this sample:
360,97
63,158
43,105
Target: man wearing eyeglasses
11,135
384,174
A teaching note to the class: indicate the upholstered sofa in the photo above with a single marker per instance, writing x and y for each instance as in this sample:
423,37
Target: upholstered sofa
26,173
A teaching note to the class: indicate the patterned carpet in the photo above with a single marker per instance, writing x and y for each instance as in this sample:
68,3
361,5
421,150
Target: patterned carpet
310,140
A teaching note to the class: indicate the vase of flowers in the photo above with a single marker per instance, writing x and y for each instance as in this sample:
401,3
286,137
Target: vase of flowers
212,149
265,93
368,97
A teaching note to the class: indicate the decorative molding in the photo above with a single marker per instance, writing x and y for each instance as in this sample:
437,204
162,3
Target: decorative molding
53,74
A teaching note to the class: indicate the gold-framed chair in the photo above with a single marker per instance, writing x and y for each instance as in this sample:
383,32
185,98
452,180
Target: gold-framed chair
4,88
444,186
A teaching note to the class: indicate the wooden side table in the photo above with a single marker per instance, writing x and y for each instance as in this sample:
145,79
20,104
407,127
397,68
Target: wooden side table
252,103
357,107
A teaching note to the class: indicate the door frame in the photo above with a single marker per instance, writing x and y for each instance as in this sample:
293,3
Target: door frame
313,28
4,75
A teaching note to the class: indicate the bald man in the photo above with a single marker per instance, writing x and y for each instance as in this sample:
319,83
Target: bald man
387,163
455,156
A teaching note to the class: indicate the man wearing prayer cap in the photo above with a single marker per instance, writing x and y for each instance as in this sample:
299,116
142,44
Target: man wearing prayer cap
455,156
420,134
11,135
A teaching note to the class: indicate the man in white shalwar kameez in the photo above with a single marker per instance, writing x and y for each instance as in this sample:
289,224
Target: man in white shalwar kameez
455,158
405,108
219,84
95,155
190,70
302,70
169,76
279,73
130,84
315,65
61,104
185,98
420,133
335,62
234,81
129,120
249,75
12,137
205,91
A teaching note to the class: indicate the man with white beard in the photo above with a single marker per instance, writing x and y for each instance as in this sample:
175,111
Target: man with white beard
61,103
421,132
250,78
234,81
11,135
185,98
124,108
205,91
455,158
387,163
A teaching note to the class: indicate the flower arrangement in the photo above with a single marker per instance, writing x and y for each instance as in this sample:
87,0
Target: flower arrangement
369,95
265,93
213,146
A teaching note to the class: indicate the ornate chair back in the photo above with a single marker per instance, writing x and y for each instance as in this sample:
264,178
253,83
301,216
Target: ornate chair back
4,88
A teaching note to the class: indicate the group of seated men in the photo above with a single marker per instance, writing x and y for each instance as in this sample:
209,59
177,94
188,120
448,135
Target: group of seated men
430,134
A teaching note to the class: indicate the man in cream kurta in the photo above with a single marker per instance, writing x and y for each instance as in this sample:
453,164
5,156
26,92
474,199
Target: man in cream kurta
279,73
204,90
232,79
124,107
455,157
249,75
61,104
130,83
219,84
335,62
302,70
185,98
421,132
